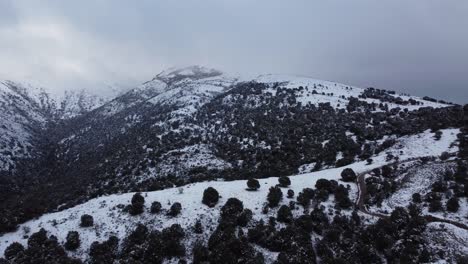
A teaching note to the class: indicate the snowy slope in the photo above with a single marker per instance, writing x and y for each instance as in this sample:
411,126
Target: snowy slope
187,88
333,93
190,87
23,112
110,220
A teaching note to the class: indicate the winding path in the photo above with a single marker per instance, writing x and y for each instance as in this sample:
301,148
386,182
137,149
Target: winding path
360,205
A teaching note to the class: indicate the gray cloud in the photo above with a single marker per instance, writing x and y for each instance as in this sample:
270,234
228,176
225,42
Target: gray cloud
419,47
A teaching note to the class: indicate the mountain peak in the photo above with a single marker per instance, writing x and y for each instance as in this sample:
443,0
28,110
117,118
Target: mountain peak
193,72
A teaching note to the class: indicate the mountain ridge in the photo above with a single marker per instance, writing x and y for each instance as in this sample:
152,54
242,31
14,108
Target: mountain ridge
201,125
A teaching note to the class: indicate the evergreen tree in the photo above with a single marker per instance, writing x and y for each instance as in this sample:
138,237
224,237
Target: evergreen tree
284,181
156,207
417,198
348,175
304,197
86,220
284,214
253,184
73,240
13,250
210,197
198,228
435,206
274,196
175,209
453,205
138,203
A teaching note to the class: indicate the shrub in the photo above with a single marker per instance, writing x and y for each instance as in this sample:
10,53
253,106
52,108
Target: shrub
172,237
417,198
210,197
175,209
284,181
304,197
253,184
41,249
453,205
348,175
138,203
323,184
198,228
344,161
105,252
200,253
244,218
73,240
156,207
305,222
284,214
86,220
445,155
439,186
342,197
435,206
387,171
274,196
37,239
322,195
232,209
13,250
290,193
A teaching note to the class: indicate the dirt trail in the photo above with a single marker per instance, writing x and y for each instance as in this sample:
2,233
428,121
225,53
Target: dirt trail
360,204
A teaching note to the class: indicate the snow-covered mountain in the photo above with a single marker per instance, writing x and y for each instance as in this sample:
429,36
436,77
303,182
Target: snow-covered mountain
190,128
24,112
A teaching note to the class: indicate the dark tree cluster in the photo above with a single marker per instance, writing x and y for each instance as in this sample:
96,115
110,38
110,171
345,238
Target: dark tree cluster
141,246
105,252
397,239
41,248
228,243
453,185
381,184
145,246
388,96
73,240
305,196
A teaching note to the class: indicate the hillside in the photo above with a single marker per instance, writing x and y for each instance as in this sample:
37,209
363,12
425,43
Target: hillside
190,128
26,111
111,220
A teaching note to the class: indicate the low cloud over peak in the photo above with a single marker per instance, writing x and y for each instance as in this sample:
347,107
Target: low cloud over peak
418,47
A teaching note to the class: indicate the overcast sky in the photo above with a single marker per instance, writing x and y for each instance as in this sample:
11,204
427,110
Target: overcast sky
417,46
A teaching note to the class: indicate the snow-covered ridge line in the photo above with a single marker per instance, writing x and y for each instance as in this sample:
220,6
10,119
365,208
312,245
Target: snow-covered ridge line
195,85
110,220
